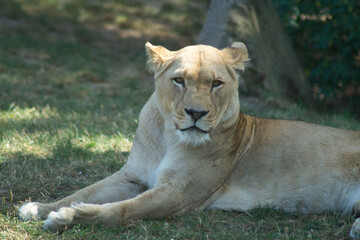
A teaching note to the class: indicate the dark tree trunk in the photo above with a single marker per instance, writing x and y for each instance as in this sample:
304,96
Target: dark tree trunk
273,65
214,29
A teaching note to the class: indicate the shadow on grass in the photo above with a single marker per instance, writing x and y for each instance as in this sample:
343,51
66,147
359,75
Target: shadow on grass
74,57
117,26
59,51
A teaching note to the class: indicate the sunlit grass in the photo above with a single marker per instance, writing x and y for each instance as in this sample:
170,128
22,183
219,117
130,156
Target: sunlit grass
15,113
104,143
36,130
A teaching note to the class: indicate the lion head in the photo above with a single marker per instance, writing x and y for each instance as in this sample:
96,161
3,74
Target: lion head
197,88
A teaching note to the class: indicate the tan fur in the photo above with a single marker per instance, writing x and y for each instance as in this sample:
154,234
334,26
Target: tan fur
231,162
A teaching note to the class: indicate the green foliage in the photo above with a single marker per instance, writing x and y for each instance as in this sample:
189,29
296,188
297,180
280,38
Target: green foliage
326,35
10,9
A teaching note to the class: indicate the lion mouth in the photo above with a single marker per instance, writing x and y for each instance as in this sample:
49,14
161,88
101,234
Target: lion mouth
193,128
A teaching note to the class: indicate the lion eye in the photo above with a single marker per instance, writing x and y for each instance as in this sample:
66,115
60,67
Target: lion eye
216,83
179,81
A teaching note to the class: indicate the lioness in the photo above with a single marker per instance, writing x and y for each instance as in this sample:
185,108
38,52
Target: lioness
195,149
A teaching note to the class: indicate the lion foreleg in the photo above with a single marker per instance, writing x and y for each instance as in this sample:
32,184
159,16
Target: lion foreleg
117,187
161,201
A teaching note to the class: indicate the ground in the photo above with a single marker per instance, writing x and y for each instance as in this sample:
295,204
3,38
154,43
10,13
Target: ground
72,83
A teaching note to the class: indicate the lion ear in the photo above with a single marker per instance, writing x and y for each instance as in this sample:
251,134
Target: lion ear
236,55
158,56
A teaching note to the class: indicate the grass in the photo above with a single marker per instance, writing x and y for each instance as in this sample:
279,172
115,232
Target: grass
72,83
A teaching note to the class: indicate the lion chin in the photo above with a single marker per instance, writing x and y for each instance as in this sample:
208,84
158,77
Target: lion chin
193,137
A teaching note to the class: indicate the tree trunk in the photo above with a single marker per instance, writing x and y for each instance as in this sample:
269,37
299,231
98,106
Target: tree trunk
273,65
214,29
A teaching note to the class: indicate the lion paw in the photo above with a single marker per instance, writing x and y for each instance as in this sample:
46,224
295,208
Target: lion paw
355,229
68,216
33,211
58,220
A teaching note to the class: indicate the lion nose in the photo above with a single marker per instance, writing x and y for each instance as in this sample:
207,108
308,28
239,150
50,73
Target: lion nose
194,114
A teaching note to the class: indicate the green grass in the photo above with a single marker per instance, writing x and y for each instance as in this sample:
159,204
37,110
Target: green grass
72,83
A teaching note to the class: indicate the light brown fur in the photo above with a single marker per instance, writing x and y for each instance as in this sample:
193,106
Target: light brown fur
230,161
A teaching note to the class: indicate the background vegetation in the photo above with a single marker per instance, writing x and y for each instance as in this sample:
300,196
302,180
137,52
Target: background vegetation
72,83
327,41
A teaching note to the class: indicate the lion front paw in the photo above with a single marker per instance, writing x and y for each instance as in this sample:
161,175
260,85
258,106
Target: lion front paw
33,211
58,220
355,229
75,214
